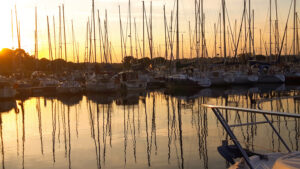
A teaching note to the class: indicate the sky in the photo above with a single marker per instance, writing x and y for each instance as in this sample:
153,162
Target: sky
79,11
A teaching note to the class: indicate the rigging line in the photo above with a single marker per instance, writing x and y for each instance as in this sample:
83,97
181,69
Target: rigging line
240,32
232,38
285,32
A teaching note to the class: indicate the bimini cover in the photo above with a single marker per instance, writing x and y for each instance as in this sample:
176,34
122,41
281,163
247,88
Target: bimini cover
289,161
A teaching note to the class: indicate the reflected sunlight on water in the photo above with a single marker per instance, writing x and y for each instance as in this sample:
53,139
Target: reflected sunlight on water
145,130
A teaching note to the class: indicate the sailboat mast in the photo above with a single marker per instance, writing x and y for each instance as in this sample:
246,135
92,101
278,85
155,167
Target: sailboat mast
294,30
190,37
196,28
94,30
249,31
270,28
49,40
260,42
215,34
177,31
143,29
60,34
151,32
221,53
136,40
224,29
36,36
276,30
253,34
130,31
166,42
18,28
121,32
182,54
297,34
54,35
202,30
73,40
100,37
65,36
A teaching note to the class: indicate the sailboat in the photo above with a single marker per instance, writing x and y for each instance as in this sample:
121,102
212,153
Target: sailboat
69,87
131,81
102,84
6,89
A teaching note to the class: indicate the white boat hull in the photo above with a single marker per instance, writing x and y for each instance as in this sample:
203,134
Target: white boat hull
7,93
277,78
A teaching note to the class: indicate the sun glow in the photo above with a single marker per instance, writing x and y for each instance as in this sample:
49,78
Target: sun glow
5,28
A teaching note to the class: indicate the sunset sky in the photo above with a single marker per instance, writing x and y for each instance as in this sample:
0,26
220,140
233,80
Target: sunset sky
80,10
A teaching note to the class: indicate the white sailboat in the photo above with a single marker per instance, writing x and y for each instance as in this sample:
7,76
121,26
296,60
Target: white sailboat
221,78
131,81
102,84
241,78
6,89
69,87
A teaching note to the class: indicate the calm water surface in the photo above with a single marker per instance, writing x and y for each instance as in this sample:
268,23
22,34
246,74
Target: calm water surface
147,130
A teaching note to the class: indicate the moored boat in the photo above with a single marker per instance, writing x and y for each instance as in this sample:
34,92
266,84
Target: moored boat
69,87
102,84
6,90
130,81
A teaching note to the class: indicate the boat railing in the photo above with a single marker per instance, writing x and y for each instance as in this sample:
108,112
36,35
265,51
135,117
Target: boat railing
227,127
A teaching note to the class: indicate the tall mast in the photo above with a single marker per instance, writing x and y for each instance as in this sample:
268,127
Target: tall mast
166,42
121,33
100,37
215,44
18,28
245,25
60,34
143,29
202,30
260,43
190,36
65,36
249,31
90,40
294,30
276,30
297,35
136,40
73,41
182,54
94,30
36,36
224,29
177,31
270,28
235,27
86,42
54,35
253,35
49,40
151,32
130,32
221,53
196,28
106,39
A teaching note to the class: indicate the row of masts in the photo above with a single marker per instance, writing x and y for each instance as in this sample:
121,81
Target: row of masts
229,40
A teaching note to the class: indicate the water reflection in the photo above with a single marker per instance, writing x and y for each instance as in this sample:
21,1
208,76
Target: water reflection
138,130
